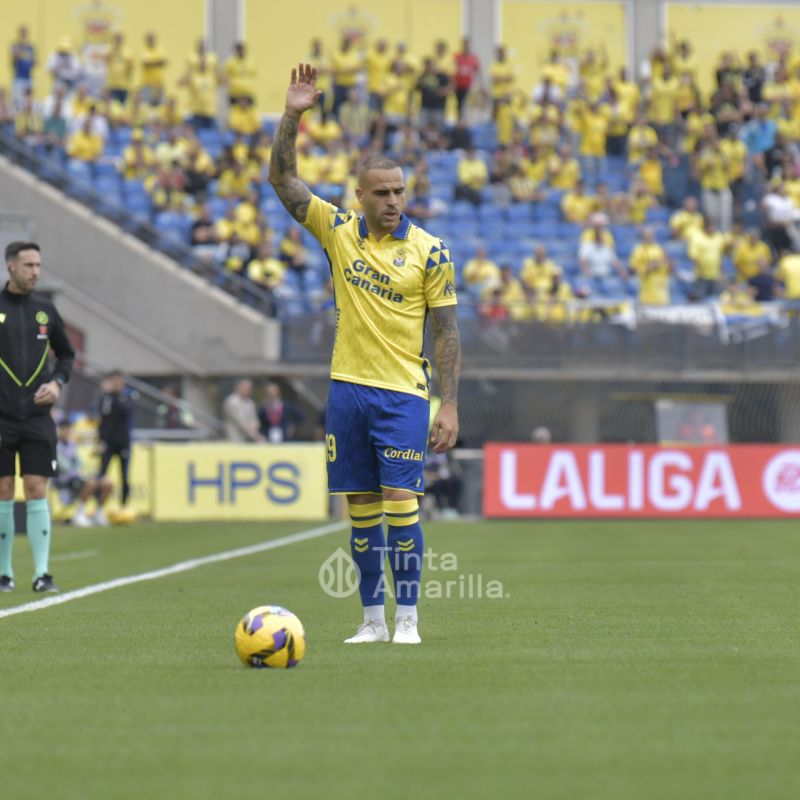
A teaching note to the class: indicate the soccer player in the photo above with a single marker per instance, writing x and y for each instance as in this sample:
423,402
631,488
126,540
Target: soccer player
29,327
388,275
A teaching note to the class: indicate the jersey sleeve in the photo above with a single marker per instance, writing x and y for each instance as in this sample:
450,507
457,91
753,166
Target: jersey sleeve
440,276
323,218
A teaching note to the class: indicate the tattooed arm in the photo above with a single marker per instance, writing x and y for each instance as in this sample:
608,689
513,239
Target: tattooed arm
291,191
444,431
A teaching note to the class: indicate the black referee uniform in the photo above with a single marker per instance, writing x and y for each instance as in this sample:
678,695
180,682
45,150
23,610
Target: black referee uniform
30,327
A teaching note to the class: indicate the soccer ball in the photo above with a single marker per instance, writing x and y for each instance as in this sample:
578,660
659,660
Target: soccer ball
270,637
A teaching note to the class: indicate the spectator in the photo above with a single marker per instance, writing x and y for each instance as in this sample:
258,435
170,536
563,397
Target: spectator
346,66
119,72
28,122
266,270
6,110
240,73
173,414
85,145
234,182
434,87
198,169
200,81
473,176
780,218
137,158
576,206
72,484
167,188
593,132
203,234
651,173
512,293
706,249
759,135
378,63
480,272
502,77
754,77
538,271
233,253
64,66
23,63
354,116
597,254
493,308
421,205
712,170
55,120
735,153
649,261
641,137
764,285
522,187
239,414
277,419
748,254
565,172
153,66
467,71
243,117
686,220
294,255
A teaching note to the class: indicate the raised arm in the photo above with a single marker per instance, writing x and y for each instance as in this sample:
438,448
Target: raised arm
447,345
291,191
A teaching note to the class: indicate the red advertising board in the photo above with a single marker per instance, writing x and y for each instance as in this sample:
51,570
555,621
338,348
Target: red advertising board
528,480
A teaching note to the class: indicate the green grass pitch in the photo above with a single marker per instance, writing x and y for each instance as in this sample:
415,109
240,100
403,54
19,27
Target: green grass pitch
630,660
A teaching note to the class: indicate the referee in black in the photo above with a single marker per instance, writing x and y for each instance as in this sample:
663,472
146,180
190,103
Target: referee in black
30,327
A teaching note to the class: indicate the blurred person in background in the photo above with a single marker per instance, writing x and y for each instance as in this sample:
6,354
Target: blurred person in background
239,414
467,73
706,249
649,261
153,70
240,74
277,419
23,63
64,66
443,486
116,422
172,413
119,69
74,486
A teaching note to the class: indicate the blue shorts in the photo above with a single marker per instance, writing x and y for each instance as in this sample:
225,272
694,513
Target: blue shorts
375,438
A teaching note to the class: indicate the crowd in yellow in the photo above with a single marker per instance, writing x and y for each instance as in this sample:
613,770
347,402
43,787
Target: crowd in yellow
559,143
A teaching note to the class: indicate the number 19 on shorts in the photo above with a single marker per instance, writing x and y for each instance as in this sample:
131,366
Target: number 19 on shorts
330,444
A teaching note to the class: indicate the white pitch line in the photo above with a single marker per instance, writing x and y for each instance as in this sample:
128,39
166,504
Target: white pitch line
181,566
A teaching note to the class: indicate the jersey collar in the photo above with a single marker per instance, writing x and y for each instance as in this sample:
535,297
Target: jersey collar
400,232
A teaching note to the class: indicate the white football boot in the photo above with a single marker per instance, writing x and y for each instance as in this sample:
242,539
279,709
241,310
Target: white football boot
80,520
370,631
405,631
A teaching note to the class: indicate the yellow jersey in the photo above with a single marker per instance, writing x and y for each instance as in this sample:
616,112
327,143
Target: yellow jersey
789,273
240,74
650,263
383,291
747,258
154,67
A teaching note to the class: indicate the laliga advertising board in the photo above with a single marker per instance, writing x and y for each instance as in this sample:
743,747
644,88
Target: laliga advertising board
220,481
525,480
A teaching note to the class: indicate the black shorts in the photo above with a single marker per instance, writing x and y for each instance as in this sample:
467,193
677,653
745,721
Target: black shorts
35,441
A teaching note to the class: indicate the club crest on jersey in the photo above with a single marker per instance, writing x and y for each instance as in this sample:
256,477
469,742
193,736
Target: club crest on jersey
400,257
360,243
42,318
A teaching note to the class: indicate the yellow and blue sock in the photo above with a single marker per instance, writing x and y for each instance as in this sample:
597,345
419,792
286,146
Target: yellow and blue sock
368,548
6,537
39,534
405,552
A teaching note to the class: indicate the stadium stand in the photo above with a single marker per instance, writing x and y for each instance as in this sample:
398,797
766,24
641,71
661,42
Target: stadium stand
503,177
